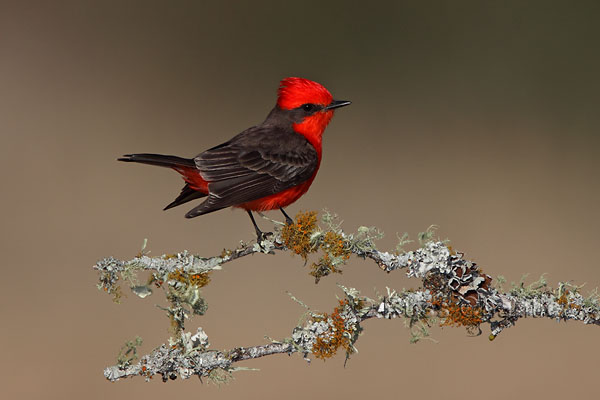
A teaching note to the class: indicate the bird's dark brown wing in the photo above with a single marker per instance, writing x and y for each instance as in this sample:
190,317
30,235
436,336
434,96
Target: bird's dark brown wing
258,162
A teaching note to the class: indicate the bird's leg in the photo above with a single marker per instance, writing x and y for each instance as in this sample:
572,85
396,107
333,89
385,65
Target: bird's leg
260,235
288,220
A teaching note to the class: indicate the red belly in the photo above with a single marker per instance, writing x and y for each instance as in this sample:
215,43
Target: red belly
277,200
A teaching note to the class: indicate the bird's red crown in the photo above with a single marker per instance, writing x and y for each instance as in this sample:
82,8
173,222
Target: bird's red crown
294,92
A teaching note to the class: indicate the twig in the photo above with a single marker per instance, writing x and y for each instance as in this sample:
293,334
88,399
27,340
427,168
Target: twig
455,292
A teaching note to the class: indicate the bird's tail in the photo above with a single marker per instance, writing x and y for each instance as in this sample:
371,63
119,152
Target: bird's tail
196,187
159,160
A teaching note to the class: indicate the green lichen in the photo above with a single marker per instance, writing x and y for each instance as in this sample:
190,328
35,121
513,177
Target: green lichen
220,376
128,352
427,236
534,289
402,241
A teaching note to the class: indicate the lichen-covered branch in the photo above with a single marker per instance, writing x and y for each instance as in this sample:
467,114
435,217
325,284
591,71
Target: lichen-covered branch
455,292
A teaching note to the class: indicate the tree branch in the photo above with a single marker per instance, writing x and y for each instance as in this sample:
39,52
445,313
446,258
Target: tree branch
454,292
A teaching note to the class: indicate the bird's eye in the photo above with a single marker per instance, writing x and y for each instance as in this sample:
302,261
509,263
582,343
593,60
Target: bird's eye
308,107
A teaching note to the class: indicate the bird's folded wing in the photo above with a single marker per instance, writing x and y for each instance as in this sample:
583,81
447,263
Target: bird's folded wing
257,163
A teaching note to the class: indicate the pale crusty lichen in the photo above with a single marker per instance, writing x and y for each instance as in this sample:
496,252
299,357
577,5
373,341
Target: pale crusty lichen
455,292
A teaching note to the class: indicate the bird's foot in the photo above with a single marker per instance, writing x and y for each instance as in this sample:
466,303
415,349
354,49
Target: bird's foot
261,237
288,219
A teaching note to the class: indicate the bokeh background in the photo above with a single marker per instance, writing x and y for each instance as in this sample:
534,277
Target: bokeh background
480,117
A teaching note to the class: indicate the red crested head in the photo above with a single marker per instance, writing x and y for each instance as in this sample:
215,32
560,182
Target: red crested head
294,92
301,97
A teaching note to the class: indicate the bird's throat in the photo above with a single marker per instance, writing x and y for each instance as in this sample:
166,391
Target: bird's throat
312,128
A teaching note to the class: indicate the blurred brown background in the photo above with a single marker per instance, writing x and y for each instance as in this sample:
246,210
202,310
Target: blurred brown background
481,117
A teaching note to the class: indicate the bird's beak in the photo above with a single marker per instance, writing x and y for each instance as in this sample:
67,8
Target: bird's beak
337,104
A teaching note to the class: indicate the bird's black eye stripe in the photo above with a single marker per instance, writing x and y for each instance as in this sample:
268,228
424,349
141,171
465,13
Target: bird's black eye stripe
308,107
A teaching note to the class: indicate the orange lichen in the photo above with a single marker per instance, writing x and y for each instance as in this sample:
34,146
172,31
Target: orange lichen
563,300
335,244
200,280
117,294
453,313
146,373
337,336
323,268
296,236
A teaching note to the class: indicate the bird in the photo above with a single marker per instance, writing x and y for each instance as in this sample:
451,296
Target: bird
266,167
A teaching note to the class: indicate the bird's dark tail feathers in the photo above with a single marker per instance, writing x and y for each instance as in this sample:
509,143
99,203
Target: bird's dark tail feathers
159,160
185,166
187,194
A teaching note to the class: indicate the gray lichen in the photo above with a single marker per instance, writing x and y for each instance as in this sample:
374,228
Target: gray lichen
454,291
